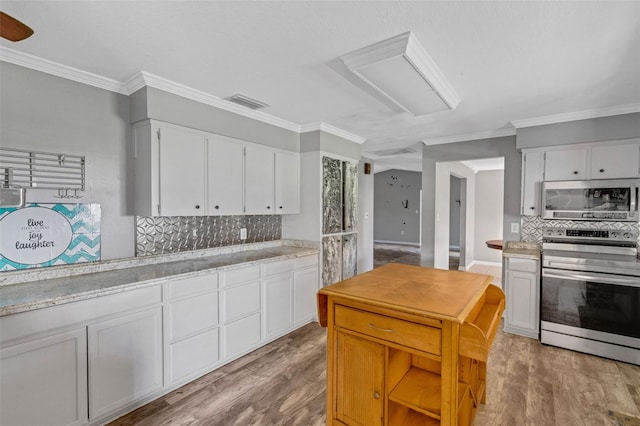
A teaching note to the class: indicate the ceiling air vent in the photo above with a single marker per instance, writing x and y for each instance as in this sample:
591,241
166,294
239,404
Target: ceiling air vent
246,101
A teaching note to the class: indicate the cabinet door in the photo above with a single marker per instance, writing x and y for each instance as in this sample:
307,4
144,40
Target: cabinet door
259,180
125,360
287,175
225,172
522,303
532,169
331,195
305,286
182,173
565,164
359,381
350,196
278,304
349,256
242,335
44,381
615,161
331,259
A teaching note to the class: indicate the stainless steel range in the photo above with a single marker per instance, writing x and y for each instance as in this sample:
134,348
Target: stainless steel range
590,299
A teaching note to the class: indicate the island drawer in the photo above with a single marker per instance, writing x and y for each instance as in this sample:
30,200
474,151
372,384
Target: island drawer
480,327
406,333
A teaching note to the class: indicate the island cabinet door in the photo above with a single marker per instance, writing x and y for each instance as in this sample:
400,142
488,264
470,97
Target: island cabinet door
359,381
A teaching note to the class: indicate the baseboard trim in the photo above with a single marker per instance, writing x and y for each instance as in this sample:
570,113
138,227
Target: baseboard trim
399,243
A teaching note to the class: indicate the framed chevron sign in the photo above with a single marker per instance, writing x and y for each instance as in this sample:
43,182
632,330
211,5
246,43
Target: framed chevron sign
49,234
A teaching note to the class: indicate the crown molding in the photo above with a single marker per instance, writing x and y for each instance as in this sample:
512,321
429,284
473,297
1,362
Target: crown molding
205,98
487,134
328,128
577,115
59,70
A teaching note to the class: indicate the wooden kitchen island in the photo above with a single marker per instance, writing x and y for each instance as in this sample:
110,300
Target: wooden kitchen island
408,345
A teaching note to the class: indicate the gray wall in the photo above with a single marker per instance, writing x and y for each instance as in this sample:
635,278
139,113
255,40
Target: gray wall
488,214
47,113
454,211
393,221
469,150
322,141
365,217
150,102
591,130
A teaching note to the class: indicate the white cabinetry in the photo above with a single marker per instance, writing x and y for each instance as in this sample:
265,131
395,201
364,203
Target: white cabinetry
259,180
44,381
125,360
532,171
287,182
615,161
603,160
522,288
186,172
225,177
241,310
290,288
565,164
192,335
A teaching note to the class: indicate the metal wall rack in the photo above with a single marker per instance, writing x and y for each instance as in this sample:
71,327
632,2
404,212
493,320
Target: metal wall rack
43,170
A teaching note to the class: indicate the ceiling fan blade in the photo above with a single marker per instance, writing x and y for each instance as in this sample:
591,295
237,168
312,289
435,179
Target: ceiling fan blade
12,29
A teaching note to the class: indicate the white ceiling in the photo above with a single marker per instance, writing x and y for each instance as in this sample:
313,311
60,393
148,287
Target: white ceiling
508,61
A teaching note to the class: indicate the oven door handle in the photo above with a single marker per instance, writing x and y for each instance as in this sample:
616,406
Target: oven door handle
603,278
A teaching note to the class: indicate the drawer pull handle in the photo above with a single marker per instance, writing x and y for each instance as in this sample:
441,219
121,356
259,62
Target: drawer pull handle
376,395
386,330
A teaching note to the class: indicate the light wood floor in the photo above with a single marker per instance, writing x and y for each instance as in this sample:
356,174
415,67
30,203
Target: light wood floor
283,383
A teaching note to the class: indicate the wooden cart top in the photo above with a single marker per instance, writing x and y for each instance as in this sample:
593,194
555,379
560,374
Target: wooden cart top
434,293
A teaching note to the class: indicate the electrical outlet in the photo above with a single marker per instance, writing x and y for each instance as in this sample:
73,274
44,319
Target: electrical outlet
243,233
515,227
194,233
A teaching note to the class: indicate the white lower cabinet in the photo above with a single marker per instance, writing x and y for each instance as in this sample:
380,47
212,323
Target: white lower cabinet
44,381
192,327
278,292
90,361
125,360
522,288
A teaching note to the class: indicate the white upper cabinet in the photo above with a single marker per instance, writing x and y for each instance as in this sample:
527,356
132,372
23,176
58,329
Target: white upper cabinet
603,160
182,172
186,172
565,164
259,180
225,170
287,183
532,169
615,161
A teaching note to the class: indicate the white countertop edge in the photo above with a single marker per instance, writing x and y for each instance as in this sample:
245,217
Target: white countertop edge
84,295
51,272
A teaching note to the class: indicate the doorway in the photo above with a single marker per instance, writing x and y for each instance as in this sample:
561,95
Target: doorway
457,223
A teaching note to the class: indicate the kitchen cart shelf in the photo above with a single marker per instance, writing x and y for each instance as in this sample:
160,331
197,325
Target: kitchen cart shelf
479,330
420,390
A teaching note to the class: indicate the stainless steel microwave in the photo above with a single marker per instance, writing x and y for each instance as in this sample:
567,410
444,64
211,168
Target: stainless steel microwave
596,200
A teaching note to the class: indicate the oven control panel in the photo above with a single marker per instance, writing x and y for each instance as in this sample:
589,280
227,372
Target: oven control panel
590,234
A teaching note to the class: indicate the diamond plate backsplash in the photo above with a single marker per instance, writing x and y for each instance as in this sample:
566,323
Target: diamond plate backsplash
162,235
531,227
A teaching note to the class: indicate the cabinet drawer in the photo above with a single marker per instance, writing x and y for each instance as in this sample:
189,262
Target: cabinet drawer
194,355
241,275
240,301
192,285
405,333
524,265
288,265
242,335
189,316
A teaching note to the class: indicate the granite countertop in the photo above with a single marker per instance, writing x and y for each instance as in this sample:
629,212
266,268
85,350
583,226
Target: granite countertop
36,294
522,250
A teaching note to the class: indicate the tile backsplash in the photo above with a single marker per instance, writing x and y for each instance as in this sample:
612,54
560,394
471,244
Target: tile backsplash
162,235
531,227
